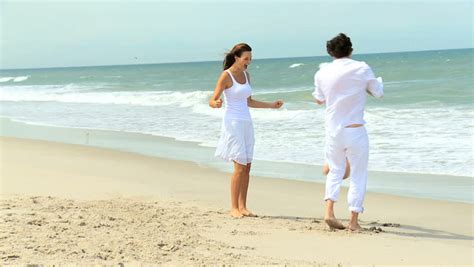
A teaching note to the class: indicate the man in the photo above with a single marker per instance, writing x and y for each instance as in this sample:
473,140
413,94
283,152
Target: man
342,85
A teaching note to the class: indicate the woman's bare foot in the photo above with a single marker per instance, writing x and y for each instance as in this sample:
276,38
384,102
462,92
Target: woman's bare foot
235,213
334,223
354,227
247,213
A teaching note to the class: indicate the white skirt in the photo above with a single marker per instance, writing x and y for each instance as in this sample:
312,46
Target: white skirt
236,142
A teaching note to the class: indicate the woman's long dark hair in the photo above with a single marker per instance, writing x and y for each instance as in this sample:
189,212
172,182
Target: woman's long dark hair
237,50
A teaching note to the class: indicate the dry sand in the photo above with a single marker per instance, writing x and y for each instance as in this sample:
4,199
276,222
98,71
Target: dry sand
69,204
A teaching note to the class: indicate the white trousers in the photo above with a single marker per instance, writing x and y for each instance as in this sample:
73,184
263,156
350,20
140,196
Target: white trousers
352,143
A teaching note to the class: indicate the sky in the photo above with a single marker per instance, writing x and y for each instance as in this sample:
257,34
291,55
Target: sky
39,34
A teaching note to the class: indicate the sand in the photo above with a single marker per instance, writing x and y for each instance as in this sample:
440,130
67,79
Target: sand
71,204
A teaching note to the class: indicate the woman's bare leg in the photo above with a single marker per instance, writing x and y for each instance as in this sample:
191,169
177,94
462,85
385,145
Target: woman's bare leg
235,188
243,193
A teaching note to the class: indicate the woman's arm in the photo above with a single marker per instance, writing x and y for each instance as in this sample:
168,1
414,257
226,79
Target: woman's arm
260,104
222,84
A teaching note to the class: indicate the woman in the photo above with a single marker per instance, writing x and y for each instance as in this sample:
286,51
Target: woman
237,138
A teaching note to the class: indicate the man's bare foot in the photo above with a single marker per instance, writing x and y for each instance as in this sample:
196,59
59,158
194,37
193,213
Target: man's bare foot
334,223
247,213
235,213
325,169
346,174
354,227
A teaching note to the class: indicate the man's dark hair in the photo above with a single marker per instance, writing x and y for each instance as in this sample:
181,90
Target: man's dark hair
339,46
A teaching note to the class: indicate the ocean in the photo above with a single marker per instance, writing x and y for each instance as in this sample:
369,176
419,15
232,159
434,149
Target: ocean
423,125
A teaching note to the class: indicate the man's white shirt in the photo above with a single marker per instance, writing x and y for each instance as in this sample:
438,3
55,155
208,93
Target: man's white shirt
343,85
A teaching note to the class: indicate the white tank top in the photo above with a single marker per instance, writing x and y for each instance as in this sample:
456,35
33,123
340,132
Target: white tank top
236,106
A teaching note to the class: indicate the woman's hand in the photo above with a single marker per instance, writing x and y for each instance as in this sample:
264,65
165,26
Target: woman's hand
277,104
224,82
216,103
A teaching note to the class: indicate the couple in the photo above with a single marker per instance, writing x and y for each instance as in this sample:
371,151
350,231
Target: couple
342,86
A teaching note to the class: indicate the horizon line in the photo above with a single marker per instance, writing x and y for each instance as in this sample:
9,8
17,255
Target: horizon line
206,61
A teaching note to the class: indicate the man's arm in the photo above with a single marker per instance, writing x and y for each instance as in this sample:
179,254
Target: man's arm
374,85
318,93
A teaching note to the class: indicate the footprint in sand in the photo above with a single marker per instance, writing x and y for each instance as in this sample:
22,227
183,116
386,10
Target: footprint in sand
391,224
374,229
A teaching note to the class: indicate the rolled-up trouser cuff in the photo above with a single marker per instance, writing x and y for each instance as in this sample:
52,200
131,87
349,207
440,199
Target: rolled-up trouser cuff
356,209
330,198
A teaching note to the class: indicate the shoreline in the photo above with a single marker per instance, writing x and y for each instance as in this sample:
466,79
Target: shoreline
422,186
40,177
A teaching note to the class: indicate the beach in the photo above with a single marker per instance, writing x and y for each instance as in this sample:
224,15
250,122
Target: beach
115,164
162,110
64,203
113,118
